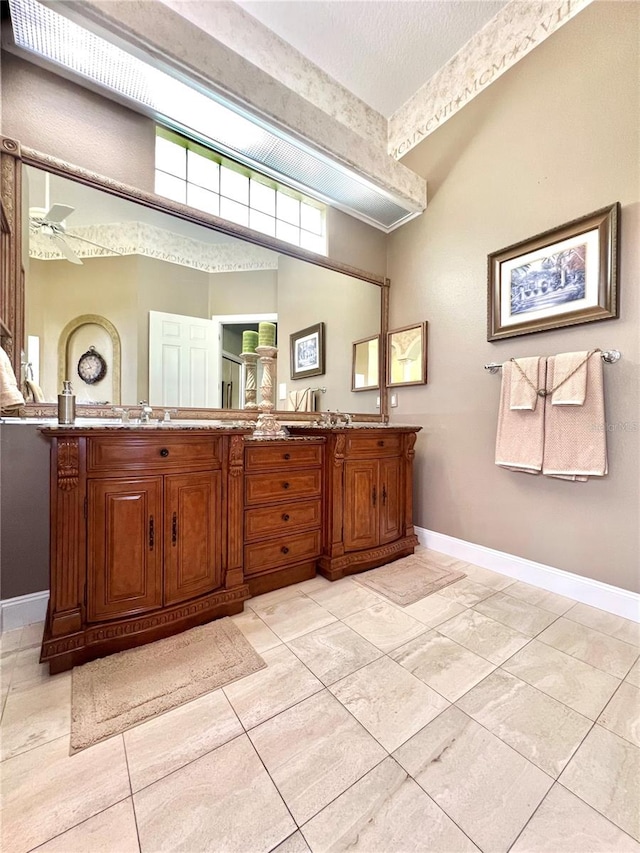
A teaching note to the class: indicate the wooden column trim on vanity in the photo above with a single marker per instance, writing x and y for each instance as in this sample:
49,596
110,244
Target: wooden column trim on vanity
235,512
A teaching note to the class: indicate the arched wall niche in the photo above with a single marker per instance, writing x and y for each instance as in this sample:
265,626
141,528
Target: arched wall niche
67,359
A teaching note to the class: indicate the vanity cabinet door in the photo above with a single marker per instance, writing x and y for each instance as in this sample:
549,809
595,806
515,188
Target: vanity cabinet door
360,504
390,489
193,537
124,571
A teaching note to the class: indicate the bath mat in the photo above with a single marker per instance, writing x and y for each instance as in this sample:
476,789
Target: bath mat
114,693
409,579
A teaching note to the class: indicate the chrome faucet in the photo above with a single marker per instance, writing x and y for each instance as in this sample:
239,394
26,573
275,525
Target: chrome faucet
145,412
122,413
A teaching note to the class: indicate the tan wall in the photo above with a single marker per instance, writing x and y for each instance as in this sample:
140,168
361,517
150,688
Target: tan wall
555,138
250,292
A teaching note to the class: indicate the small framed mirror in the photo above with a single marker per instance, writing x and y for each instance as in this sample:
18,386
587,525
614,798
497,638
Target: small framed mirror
365,373
407,355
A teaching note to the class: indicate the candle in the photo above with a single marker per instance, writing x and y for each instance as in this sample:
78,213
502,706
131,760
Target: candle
267,334
249,341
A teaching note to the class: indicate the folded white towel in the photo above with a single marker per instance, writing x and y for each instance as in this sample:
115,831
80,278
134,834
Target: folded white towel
573,391
10,394
523,396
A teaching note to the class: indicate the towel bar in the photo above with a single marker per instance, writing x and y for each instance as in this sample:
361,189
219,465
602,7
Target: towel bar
610,356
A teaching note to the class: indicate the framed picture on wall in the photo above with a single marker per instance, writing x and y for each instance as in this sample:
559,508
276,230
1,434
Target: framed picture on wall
560,278
307,352
407,355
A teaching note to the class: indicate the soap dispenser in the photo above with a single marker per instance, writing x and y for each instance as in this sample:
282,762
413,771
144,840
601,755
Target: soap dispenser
66,404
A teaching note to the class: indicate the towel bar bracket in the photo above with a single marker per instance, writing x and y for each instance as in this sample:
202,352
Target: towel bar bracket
609,356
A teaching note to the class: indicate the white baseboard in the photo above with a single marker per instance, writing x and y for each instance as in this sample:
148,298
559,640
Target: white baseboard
23,610
622,602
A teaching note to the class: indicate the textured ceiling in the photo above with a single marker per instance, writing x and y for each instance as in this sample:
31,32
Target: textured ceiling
381,50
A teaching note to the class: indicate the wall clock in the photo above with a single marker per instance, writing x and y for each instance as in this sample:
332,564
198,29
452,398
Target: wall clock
91,366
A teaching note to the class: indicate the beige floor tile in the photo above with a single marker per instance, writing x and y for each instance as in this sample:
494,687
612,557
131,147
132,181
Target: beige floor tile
622,714
434,609
111,831
447,667
266,693
605,773
171,740
293,617
32,635
608,623
633,676
486,787
385,811
593,647
523,617
10,641
334,651
314,752
224,801
385,626
344,597
442,561
542,598
293,844
261,602
578,685
490,639
256,631
46,791
494,580
390,702
564,824
7,665
537,726
36,713
466,592
318,582
28,667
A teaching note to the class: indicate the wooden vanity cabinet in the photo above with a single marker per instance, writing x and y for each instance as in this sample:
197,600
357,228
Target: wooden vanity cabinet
146,537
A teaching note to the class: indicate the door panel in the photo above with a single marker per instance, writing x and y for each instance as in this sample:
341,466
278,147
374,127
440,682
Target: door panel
360,504
124,547
390,489
193,564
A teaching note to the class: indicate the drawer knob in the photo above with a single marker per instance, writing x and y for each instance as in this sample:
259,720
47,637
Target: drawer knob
285,485
381,443
285,516
287,456
164,452
284,549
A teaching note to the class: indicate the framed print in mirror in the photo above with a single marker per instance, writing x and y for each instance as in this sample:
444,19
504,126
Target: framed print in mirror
307,352
560,278
365,370
407,355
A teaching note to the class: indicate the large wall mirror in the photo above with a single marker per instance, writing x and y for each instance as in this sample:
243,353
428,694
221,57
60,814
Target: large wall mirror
162,296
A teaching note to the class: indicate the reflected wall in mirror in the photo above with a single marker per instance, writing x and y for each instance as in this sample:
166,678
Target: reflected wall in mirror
165,285
407,355
366,364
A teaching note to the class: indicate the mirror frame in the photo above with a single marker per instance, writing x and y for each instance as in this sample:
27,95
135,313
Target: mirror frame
12,328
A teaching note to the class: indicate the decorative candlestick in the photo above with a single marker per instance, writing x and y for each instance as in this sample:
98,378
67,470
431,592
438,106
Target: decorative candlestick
267,425
250,360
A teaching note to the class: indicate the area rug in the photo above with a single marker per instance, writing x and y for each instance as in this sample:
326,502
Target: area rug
119,691
409,579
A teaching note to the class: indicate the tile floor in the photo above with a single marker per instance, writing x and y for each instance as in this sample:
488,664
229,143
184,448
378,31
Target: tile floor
490,716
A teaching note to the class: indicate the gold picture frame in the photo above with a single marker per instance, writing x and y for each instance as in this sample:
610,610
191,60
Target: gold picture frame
407,355
562,277
365,364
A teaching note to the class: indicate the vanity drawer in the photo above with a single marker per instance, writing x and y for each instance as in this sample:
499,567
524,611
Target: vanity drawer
282,455
376,444
281,551
110,454
268,520
283,485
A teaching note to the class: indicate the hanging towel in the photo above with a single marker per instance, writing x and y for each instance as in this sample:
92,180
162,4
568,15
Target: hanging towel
10,394
576,436
303,401
523,396
574,390
34,391
520,437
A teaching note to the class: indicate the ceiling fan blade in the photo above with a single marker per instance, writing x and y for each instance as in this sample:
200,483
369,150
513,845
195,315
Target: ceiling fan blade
58,212
66,250
99,245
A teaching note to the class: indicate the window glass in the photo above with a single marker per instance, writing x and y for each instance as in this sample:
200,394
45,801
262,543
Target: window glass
311,218
287,208
171,158
261,222
233,211
313,242
263,198
203,199
290,233
170,187
233,185
203,171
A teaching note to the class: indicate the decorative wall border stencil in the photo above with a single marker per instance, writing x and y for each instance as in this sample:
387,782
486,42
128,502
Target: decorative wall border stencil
513,33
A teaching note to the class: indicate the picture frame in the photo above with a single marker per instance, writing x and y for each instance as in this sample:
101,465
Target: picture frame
407,355
307,352
562,277
365,364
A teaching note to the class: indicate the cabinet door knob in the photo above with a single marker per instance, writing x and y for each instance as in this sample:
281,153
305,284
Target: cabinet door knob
284,549
285,485
285,516
287,456
381,443
164,452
